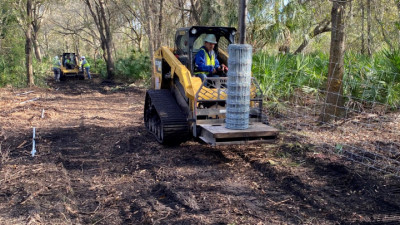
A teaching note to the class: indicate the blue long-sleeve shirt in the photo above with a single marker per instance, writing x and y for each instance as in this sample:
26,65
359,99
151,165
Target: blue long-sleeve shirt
200,61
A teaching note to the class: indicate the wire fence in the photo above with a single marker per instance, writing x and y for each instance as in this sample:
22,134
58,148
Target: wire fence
364,125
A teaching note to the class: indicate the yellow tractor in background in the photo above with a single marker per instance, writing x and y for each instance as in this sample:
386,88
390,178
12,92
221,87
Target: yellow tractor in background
180,106
70,67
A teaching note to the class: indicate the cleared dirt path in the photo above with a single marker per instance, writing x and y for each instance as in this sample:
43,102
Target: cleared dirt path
96,164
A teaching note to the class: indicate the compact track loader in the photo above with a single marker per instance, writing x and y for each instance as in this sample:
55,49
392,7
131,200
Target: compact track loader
70,69
180,106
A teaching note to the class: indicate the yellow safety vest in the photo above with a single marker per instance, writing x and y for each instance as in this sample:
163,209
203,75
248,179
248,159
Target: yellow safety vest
56,63
209,61
86,64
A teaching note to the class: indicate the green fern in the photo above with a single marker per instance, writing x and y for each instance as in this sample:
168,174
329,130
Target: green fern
367,80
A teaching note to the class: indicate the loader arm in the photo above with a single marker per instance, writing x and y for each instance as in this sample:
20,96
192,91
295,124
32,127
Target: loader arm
188,82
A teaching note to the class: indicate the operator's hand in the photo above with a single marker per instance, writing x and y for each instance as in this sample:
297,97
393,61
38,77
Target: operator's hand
224,68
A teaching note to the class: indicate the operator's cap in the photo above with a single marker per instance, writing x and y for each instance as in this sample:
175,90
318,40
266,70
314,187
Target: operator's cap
82,57
210,38
55,57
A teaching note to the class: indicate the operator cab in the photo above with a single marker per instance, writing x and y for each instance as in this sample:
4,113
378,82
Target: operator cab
189,40
72,58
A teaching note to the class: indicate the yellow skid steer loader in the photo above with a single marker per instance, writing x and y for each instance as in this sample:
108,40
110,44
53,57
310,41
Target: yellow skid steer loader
180,106
70,67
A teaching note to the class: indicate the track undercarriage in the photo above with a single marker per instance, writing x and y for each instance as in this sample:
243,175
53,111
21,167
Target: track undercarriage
164,119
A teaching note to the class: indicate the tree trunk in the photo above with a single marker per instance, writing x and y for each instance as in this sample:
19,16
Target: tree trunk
110,61
35,42
150,36
77,47
36,46
369,22
351,13
333,107
28,45
382,25
108,42
362,27
160,22
139,41
95,58
181,5
46,39
195,12
103,27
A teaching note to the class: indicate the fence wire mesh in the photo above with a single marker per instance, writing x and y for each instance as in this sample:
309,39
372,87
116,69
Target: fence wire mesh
367,131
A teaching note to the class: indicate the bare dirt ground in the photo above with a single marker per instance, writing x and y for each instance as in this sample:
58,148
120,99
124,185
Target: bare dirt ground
96,164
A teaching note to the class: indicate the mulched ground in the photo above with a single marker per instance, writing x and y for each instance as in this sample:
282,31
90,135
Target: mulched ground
96,164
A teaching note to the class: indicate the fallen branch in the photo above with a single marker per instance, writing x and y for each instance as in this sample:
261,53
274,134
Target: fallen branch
30,100
22,144
278,203
25,93
103,218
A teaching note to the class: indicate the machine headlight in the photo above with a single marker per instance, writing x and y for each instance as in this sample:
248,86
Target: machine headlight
194,31
233,33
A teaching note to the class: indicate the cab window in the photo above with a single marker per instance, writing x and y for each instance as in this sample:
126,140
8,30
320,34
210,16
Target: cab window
182,44
199,42
223,44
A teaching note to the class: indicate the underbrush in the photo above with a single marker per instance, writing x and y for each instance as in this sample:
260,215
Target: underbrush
367,81
136,67
15,75
12,63
98,66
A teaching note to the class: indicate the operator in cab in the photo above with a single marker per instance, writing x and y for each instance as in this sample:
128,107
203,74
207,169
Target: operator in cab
206,62
68,63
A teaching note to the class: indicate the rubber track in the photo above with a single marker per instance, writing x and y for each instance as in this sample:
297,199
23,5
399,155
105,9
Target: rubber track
174,121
